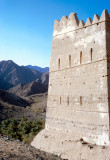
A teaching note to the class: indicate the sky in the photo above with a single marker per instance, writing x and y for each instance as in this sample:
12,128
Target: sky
26,26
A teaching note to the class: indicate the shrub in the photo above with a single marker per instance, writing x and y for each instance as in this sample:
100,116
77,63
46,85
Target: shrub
21,129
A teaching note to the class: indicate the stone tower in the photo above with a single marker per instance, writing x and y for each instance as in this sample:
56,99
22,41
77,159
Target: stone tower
79,85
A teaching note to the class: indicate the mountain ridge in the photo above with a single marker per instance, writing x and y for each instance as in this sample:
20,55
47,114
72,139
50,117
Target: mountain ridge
37,68
15,74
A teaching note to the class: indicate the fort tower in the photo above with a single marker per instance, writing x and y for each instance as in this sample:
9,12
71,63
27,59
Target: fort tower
79,84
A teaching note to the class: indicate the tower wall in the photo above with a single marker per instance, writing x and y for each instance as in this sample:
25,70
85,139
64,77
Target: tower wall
78,101
78,91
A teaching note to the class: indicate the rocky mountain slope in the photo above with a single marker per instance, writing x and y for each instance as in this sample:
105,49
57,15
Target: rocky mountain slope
12,111
12,106
4,85
42,70
29,89
45,78
35,87
12,99
32,107
14,74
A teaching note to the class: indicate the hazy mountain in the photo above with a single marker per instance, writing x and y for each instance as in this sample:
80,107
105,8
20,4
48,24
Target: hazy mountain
14,74
42,70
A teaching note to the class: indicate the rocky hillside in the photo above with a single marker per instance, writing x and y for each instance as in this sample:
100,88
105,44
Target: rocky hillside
12,106
32,107
14,74
45,78
12,99
4,85
16,150
29,89
35,87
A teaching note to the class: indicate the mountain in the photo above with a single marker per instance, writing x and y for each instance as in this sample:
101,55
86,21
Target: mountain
45,78
42,70
12,106
4,85
35,87
12,99
16,89
29,89
15,74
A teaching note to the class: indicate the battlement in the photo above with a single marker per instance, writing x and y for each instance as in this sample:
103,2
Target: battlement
71,23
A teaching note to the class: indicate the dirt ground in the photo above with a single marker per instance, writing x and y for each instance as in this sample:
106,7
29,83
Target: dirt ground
16,150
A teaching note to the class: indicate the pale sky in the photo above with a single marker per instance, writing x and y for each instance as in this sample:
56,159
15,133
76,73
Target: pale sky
26,26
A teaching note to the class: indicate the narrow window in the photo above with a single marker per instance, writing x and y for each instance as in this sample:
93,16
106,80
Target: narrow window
81,57
60,100
91,53
80,100
69,60
67,100
58,63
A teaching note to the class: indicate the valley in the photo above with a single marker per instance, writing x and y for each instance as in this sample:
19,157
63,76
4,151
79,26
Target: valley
32,107
23,103
23,91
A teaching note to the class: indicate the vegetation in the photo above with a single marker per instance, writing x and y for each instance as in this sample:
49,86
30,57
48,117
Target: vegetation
21,129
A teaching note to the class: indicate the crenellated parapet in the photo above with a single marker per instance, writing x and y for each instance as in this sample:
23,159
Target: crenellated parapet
71,23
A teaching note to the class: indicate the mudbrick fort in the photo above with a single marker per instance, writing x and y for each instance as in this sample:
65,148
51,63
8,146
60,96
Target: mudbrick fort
79,85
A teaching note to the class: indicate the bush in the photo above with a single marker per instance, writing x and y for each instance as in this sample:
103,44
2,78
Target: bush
21,129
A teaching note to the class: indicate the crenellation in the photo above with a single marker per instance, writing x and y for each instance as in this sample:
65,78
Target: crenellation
56,23
88,22
96,19
71,23
73,19
81,24
104,16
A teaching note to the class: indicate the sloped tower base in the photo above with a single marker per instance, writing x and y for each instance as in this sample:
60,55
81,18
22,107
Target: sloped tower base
59,144
69,147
